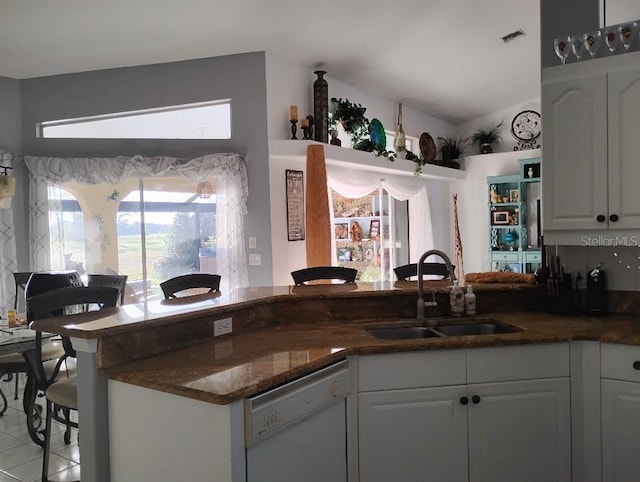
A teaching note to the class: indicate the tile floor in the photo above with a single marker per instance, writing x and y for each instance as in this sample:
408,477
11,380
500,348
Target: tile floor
20,458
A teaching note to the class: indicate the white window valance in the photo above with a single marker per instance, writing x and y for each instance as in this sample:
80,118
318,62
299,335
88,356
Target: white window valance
356,184
232,190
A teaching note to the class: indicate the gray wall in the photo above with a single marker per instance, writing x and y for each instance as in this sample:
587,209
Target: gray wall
241,78
11,141
560,18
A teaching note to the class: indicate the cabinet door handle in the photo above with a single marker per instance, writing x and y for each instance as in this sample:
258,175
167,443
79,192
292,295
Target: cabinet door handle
464,400
475,399
613,218
636,365
601,218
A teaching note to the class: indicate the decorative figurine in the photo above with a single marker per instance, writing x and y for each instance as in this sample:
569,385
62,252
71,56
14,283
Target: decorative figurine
495,197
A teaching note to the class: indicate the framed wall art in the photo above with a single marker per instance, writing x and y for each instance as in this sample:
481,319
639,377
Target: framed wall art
295,205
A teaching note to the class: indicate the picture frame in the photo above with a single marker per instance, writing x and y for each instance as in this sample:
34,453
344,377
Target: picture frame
514,195
341,230
295,205
500,217
374,229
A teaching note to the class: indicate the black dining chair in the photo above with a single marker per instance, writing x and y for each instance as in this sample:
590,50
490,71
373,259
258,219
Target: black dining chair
61,393
435,269
12,364
21,279
172,286
302,276
118,281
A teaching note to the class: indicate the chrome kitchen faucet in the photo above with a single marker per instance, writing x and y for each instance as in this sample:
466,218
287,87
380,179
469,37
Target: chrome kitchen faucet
452,276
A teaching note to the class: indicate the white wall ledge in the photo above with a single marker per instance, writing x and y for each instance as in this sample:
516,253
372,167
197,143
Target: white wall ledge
296,150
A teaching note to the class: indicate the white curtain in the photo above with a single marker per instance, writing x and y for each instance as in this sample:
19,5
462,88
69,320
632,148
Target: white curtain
7,248
355,184
232,191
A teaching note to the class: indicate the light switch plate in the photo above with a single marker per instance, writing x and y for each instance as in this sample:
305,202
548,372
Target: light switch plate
252,242
255,259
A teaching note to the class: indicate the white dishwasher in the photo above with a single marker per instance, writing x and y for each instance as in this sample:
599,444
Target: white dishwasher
298,431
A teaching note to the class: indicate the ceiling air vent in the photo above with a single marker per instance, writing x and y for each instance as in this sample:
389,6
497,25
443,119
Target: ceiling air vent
513,35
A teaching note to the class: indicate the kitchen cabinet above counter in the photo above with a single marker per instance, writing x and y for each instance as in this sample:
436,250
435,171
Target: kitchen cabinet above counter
590,113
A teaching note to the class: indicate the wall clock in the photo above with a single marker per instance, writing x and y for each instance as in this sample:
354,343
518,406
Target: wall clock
526,127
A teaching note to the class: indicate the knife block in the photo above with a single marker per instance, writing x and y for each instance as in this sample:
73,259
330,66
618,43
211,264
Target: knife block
560,298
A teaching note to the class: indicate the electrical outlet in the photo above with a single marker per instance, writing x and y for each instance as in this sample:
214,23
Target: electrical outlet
222,327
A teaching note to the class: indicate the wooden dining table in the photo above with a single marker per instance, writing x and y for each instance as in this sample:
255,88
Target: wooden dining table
23,340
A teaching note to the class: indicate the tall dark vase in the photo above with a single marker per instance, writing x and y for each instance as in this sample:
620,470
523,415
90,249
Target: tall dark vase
321,107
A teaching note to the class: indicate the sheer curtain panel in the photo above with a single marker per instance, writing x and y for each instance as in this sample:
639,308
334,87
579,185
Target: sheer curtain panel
230,172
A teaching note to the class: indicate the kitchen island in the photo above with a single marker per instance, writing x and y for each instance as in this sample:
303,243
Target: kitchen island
165,354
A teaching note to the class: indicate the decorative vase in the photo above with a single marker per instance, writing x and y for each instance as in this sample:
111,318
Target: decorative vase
399,142
486,149
447,155
321,107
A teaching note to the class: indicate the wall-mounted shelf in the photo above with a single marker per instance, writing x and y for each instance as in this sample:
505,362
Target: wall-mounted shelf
354,159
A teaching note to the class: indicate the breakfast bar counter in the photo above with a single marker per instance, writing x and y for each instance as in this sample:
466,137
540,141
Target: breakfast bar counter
280,334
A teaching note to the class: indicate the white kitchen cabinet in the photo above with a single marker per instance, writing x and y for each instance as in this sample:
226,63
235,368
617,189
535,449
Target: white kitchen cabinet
513,402
574,170
620,412
412,435
590,149
520,431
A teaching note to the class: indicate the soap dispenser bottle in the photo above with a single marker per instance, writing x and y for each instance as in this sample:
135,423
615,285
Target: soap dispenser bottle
470,302
456,300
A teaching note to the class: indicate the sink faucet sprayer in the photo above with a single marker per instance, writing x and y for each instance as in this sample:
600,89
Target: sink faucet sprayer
452,276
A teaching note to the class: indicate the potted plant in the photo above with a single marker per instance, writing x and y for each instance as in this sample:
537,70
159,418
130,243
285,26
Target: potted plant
452,147
486,138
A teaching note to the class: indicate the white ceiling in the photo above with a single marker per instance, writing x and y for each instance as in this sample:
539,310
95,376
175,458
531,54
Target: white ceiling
443,57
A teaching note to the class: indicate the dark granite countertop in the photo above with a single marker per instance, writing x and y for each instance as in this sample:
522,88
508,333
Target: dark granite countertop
223,370
281,333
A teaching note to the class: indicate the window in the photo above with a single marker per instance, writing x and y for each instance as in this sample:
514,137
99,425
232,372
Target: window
150,229
207,120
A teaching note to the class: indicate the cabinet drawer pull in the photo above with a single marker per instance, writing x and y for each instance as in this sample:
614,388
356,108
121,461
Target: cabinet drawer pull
613,218
464,400
475,399
601,218
636,365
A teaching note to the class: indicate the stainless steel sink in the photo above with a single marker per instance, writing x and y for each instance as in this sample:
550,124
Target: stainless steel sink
404,333
483,328
479,327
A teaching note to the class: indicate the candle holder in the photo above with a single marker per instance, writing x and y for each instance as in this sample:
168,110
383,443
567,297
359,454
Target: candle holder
294,128
308,128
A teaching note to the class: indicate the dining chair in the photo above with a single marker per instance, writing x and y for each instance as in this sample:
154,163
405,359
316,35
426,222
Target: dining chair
21,279
302,276
61,392
172,286
407,271
118,281
12,364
